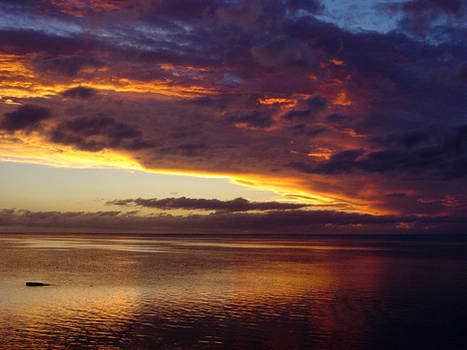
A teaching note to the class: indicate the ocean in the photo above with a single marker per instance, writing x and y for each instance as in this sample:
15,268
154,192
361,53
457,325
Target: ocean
233,292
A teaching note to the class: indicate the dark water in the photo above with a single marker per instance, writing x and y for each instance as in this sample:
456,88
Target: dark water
233,293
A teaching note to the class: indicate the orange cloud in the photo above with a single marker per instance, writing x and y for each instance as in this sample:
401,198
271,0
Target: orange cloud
342,99
338,62
283,102
79,8
18,80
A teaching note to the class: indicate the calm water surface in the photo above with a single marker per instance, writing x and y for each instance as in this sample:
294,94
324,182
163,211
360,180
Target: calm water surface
208,292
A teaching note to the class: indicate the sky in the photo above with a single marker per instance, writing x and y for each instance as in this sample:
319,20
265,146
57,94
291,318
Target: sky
259,116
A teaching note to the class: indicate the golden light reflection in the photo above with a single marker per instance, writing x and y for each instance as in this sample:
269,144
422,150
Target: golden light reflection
99,293
73,309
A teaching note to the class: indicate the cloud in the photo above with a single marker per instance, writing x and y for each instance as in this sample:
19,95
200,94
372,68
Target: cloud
69,66
308,5
80,92
303,129
441,160
421,7
361,114
94,134
396,195
238,204
431,18
24,118
106,126
258,119
335,118
299,115
314,105
283,52
26,41
185,149
407,140
278,222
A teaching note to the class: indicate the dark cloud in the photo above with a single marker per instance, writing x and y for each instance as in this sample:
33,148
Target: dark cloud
308,5
106,126
336,118
396,195
413,139
462,72
180,10
257,119
423,6
304,130
185,149
278,222
94,134
284,52
80,92
456,142
314,104
68,66
238,204
407,140
442,160
23,41
299,115
339,163
431,18
389,160
24,118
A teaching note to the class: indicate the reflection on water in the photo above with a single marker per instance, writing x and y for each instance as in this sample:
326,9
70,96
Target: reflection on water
208,292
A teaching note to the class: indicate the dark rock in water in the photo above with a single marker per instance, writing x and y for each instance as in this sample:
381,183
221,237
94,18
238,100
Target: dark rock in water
36,284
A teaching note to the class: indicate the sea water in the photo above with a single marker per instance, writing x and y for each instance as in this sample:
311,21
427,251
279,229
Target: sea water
233,292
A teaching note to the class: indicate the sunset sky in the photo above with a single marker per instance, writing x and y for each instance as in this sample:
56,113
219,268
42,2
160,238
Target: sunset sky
258,116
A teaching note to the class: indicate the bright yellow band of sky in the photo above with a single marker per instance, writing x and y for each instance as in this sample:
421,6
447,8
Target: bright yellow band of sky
34,150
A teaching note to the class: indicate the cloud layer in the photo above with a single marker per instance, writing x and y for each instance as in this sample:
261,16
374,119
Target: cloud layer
273,222
238,204
272,93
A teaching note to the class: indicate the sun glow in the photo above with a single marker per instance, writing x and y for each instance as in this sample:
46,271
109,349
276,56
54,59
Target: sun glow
33,149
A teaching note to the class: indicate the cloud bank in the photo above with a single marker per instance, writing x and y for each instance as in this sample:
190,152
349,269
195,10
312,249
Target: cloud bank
271,222
238,204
